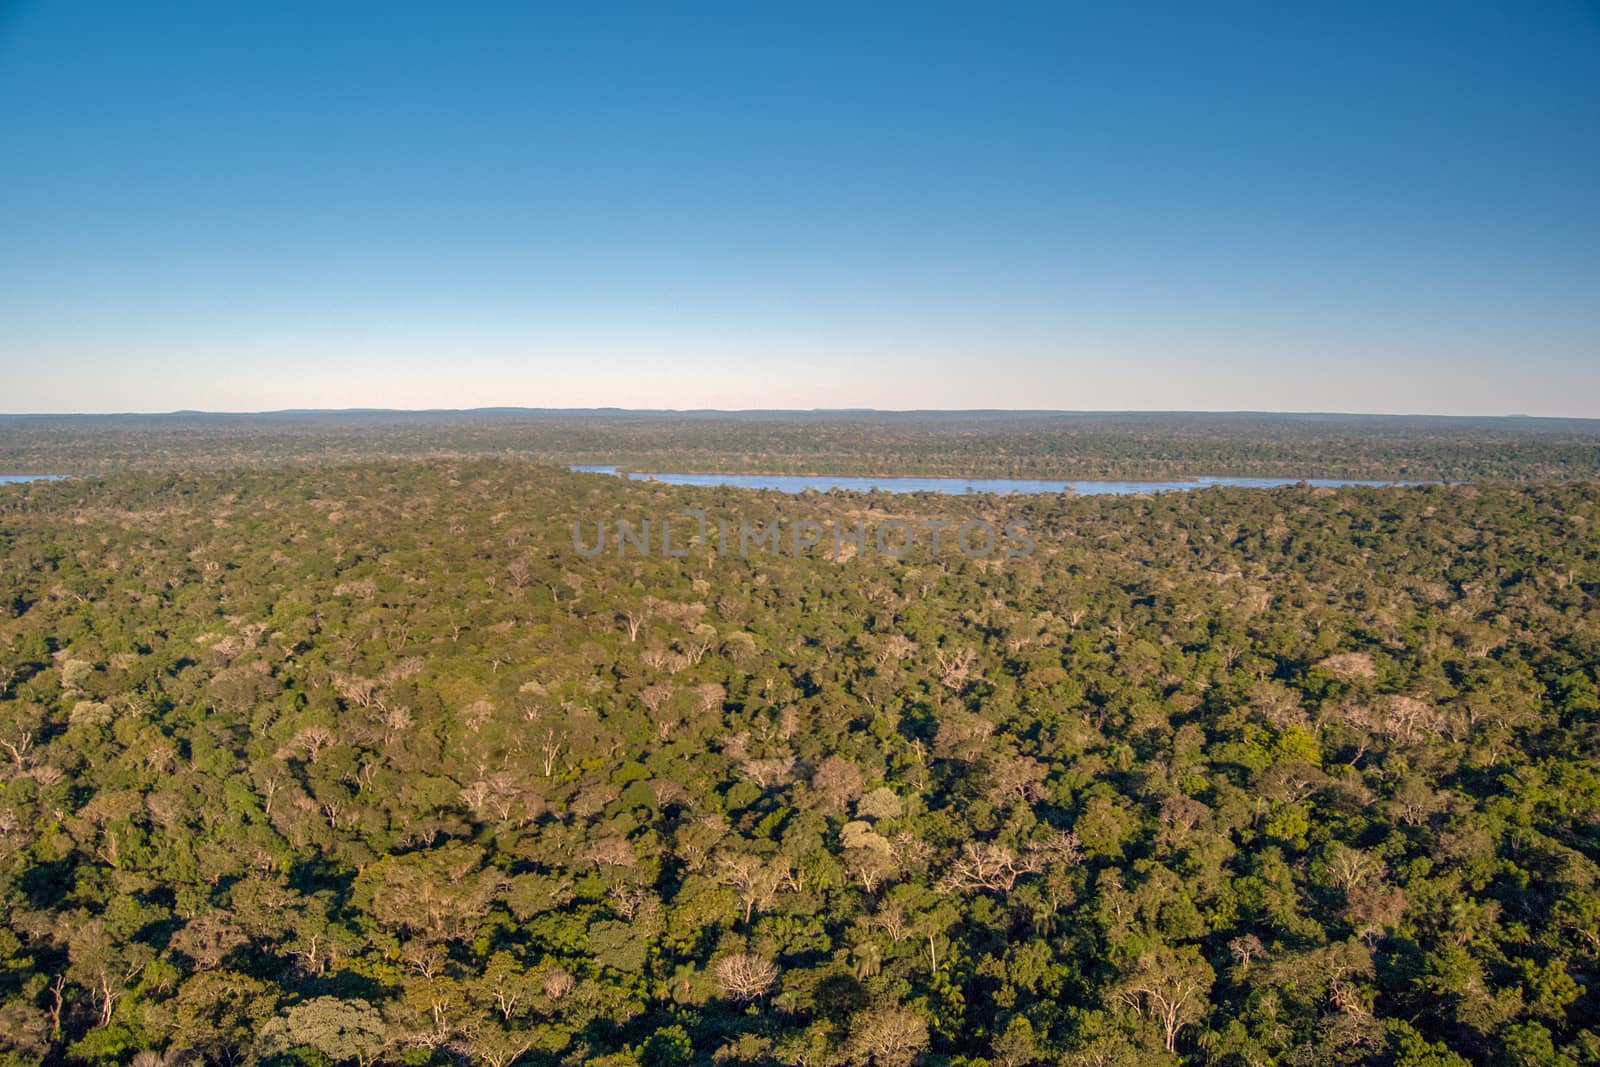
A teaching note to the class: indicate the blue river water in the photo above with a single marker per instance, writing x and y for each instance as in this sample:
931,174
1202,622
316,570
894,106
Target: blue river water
5,478
799,483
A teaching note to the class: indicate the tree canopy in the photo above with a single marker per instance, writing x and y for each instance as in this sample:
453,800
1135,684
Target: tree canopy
364,764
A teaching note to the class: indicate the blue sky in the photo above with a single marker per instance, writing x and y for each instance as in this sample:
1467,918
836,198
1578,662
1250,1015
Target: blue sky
1278,206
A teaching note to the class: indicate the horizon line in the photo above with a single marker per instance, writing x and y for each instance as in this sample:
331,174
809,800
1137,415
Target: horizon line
608,410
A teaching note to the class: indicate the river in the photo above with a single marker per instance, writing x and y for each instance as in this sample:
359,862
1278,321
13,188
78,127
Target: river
799,483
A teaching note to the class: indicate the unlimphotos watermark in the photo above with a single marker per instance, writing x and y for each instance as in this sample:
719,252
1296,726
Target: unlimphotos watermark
893,538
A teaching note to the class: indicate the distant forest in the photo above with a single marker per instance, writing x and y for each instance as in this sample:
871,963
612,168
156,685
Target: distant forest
318,764
961,444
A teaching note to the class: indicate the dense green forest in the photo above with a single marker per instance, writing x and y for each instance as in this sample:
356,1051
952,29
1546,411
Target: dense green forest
1064,445
366,763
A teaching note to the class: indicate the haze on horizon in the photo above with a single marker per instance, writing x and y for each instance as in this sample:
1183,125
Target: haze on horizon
1387,209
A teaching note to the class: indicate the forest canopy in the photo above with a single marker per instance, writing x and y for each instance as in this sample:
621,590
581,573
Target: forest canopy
363,763
969,444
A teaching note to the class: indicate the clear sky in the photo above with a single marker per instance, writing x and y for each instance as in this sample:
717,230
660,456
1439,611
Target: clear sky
1343,206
